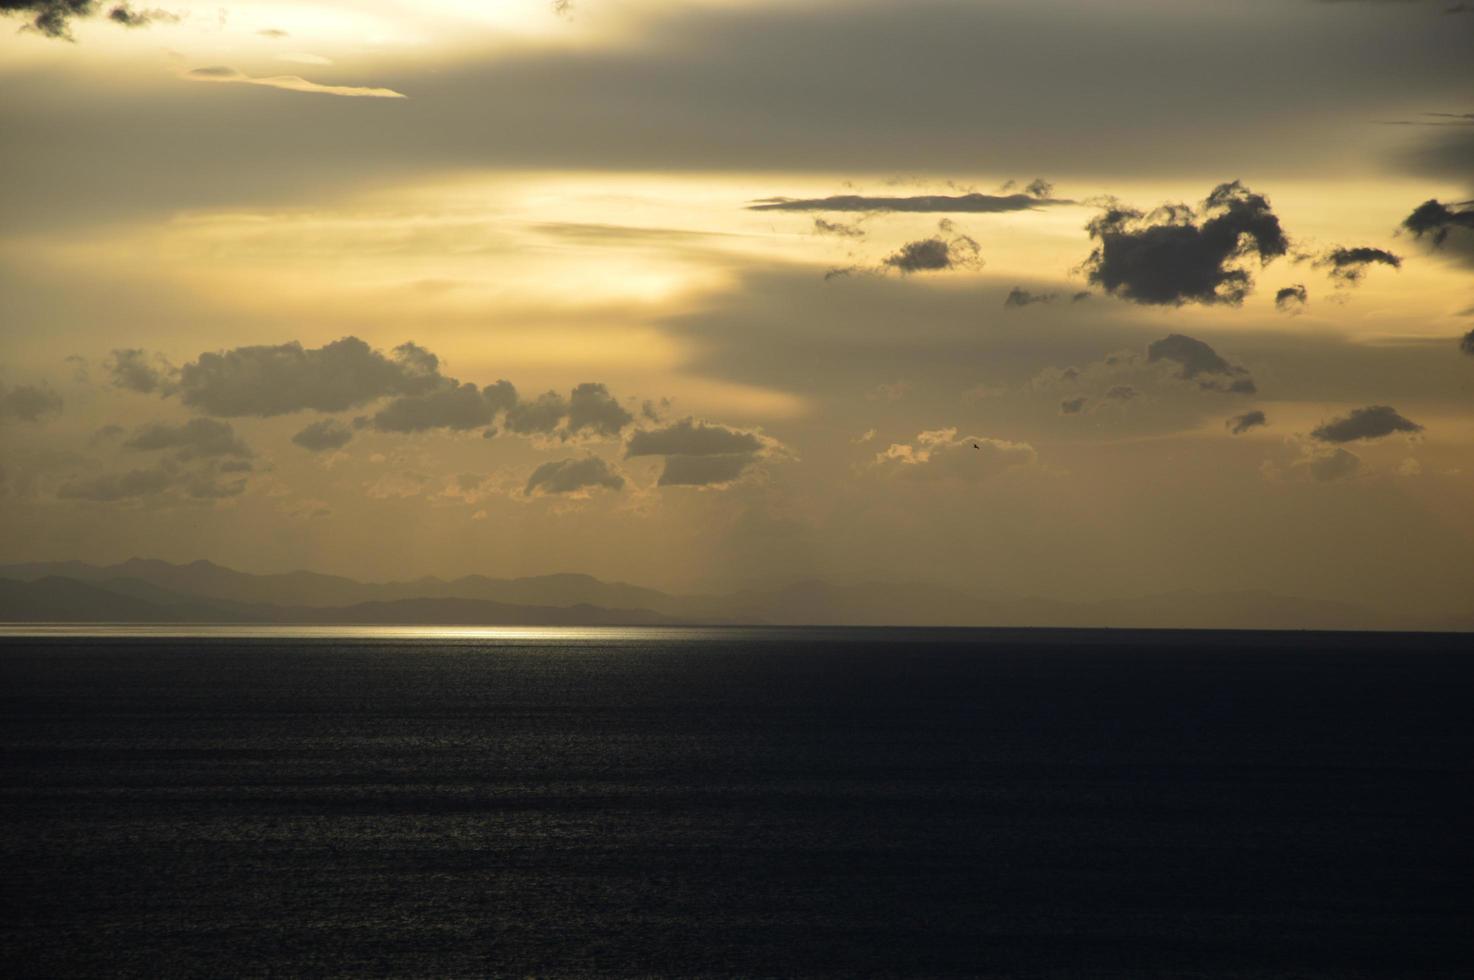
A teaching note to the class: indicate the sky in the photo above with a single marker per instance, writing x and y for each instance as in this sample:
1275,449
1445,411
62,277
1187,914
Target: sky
1054,298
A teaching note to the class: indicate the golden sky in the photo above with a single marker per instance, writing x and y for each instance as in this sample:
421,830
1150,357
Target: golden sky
863,290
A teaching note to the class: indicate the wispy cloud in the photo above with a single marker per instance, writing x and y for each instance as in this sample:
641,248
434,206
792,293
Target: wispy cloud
291,83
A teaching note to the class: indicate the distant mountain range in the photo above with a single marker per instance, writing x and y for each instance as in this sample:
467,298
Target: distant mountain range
151,591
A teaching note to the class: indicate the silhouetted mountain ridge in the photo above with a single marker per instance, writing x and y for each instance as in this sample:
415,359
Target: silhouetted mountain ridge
150,590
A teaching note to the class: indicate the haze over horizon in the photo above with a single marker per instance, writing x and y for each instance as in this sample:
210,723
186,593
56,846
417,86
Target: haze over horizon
1174,296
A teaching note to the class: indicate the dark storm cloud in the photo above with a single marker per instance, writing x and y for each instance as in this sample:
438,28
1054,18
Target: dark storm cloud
1349,265
135,369
28,403
934,255
1240,424
1437,220
50,17
777,88
690,437
1199,362
1019,297
206,487
285,378
1372,422
1467,344
838,229
920,204
1072,406
1292,299
1176,254
119,486
451,405
1122,393
698,453
323,435
165,480
572,476
703,471
540,416
592,409
1448,228
195,438
128,17
53,18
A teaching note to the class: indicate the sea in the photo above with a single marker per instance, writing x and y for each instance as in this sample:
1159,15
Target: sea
369,802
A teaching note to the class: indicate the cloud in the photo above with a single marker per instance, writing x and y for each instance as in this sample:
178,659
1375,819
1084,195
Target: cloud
195,438
940,455
539,416
128,17
1326,467
920,204
1292,299
1122,393
592,409
589,409
888,391
1467,344
119,486
1018,297
203,486
1349,265
135,369
934,255
53,18
165,478
1448,228
1198,362
690,437
1072,406
837,228
452,405
1176,255
699,453
290,83
28,403
323,435
1240,424
575,476
1372,422
285,378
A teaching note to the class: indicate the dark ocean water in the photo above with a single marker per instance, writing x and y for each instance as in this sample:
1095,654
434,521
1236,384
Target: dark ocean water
789,803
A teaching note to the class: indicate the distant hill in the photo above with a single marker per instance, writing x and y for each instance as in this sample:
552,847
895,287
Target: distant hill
476,612
148,590
206,579
54,599
62,600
